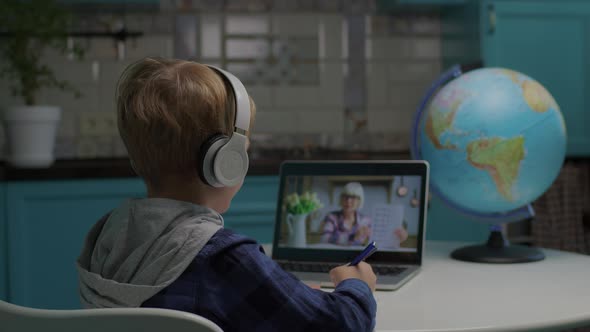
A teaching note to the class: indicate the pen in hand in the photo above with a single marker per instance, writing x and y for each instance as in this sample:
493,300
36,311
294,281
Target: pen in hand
368,251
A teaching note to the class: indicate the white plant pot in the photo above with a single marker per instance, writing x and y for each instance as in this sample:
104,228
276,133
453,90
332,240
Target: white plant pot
30,134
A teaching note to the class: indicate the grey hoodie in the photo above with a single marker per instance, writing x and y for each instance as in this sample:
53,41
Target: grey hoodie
140,248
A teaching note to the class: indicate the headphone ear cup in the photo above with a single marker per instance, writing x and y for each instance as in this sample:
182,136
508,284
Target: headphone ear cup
207,156
231,161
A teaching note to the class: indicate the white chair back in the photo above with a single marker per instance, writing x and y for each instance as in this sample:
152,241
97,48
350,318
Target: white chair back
22,319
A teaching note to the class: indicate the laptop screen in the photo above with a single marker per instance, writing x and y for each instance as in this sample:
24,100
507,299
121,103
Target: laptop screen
337,208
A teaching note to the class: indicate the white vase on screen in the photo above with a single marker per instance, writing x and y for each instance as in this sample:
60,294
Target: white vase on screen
297,229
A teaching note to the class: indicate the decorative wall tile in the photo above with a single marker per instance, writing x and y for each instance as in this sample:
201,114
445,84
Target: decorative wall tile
426,48
186,30
331,34
377,84
332,85
162,24
88,101
304,48
390,121
247,24
136,22
289,97
247,48
66,147
407,95
305,74
250,5
424,71
262,96
104,147
74,71
295,24
68,125
248,73
110,74
152,45
330,5
119,149
87,148
320,121
276,122
101,49
426,25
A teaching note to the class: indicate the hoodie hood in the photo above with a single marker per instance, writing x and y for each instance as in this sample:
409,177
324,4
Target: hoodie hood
140,248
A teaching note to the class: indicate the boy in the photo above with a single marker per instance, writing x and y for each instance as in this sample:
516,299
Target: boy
170,250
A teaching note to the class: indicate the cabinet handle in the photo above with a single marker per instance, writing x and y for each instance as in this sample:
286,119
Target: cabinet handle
491,19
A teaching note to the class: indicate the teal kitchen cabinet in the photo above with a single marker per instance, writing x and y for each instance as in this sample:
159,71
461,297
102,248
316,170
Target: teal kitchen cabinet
3,246
549,41
44,224
252,211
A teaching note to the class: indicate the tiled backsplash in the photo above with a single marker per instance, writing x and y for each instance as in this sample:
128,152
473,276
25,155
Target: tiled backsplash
295,66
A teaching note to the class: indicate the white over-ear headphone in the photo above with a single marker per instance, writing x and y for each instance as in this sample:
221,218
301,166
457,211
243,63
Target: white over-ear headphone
223,160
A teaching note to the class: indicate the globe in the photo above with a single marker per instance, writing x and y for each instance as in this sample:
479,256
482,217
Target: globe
495,140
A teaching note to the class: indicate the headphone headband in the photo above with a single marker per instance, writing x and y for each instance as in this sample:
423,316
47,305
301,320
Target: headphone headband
242,105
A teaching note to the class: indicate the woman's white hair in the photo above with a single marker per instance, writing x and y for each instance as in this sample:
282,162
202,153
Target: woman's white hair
354,189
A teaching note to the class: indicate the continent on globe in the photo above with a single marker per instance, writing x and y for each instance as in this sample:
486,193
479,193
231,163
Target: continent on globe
439,122
501,158
537,97
512,75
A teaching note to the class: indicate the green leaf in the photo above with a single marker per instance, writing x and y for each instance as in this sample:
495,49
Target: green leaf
33,26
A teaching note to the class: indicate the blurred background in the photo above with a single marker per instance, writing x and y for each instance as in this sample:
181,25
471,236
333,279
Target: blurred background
337,75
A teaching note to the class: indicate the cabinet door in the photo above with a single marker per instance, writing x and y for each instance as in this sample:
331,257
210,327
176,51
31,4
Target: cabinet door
3,247
47,221
252,211
46,224
548,41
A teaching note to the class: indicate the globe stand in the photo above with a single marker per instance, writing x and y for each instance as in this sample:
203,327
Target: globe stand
499,251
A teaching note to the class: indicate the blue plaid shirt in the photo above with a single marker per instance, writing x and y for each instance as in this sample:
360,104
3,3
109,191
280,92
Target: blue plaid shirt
233,283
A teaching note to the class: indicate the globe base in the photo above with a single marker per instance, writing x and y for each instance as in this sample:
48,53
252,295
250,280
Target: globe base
498,251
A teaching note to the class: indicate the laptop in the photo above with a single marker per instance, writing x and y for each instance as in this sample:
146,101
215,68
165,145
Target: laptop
354,203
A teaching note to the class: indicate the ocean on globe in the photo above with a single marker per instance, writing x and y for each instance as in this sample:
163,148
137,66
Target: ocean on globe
495,140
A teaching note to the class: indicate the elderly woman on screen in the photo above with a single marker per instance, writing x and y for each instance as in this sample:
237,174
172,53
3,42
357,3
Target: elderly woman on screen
348,226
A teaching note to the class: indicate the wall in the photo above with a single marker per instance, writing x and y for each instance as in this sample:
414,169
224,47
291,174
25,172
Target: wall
297,64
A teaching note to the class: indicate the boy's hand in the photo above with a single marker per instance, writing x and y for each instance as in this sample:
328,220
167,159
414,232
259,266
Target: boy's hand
362,271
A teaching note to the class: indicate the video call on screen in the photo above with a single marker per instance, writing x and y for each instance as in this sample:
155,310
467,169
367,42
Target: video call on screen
350,212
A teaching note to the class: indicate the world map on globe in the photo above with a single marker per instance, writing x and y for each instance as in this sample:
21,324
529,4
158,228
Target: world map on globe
495,140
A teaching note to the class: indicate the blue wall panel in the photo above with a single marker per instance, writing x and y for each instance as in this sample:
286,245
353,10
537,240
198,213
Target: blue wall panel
47,223
547,40
446,224
252,212
3,246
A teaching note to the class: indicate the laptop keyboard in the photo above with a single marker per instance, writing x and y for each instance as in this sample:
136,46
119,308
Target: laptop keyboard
326,267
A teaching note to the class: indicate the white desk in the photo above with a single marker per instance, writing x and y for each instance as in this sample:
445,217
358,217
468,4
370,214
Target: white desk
450,295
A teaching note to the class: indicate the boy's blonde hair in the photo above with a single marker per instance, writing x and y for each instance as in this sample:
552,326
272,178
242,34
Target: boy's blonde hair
166,109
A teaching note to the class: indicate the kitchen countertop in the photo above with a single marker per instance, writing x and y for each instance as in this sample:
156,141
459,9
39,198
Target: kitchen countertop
261,163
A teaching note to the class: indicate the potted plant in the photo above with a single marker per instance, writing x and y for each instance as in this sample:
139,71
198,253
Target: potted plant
298,208
29,28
